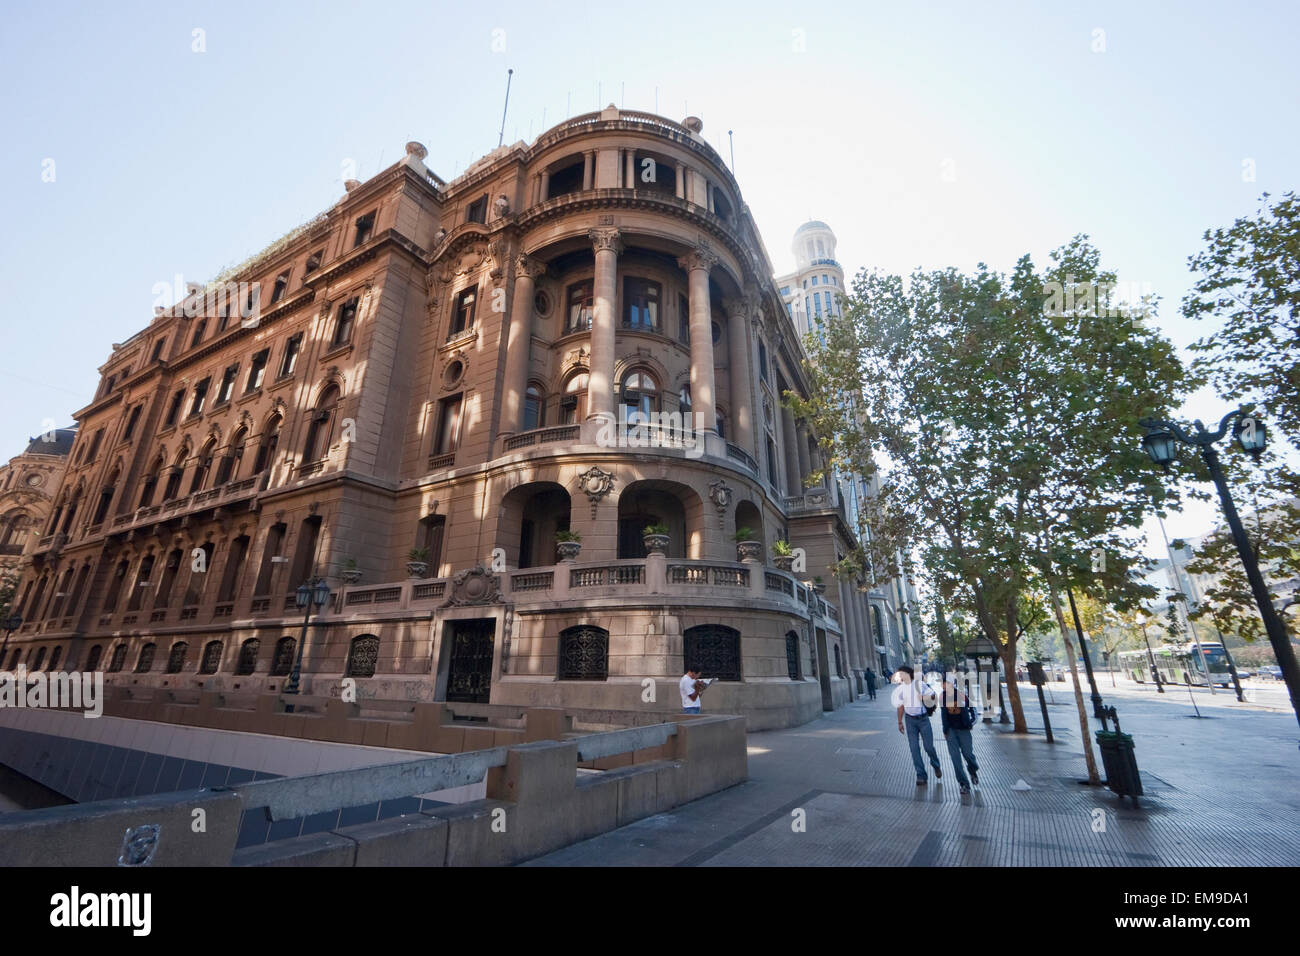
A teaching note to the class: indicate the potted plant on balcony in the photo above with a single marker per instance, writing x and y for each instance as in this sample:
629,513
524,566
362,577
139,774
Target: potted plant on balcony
748,547
350,574
782,555
568,545
655,538
819,585
417,562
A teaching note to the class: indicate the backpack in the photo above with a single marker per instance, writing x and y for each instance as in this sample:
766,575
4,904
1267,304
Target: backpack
930,708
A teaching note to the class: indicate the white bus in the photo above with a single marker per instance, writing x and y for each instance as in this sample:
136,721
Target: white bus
1178,664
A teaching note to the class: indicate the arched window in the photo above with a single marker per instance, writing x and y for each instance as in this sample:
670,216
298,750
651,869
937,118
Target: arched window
115,586
176,659
640,393
534,407
792,655
173,487
73,504
106,498
149,486
283,663
248,657
203,467
363,655
38,661
56,657
13,537
118,660
584,653
92,659
322,425
144,664
714,650
211,658
266,448
228,469
573,404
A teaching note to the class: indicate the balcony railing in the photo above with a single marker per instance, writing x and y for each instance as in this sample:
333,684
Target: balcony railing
226,493
541,436
739,454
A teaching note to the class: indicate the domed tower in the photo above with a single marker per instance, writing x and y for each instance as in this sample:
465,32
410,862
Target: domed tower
814,244
811,291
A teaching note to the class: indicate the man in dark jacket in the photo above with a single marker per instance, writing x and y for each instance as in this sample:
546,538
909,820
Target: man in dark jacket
957,718
871,683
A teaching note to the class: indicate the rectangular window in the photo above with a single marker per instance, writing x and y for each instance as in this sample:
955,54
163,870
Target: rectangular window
94,445
199,328
640,304
683,320
200,396
131,422
174,409
314,261
477,210
280,288
762,360
365,229
257,371
157,349
290,360
448,425
814,280
234,565
223,316
227,385
274,541
578,316
347,317
462,317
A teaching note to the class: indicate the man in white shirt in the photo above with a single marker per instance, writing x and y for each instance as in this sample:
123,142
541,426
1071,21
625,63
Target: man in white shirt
912,697
690,685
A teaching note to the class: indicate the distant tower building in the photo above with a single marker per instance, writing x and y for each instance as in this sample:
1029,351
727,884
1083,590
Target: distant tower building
811,291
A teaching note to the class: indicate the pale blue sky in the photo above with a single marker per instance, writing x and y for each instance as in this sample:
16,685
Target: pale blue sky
169,161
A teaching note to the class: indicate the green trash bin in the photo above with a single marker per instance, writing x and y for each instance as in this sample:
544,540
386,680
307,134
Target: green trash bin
1121,765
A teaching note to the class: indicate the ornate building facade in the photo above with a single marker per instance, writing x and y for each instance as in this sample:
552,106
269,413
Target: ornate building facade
462,405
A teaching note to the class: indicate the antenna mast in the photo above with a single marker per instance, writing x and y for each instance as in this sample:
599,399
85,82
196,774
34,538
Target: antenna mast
501,138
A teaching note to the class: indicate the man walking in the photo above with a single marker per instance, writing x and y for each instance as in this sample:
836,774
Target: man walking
957,718
915,701
871,683
690,686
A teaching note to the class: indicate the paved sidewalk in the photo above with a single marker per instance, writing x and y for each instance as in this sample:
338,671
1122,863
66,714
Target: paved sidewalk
1220,791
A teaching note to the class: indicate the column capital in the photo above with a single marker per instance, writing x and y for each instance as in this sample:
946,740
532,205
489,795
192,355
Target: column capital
742,306
526,265
610,240
699,258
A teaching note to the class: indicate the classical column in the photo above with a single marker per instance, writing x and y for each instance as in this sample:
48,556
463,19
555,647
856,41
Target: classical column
742,390
588,163
519,340
629,181
681,181
801,447
545,187
704,399
600,384
847,627
794,484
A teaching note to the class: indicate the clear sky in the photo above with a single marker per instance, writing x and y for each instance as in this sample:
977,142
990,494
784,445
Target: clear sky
924,134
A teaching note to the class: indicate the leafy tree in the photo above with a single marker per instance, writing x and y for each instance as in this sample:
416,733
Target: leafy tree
1008,424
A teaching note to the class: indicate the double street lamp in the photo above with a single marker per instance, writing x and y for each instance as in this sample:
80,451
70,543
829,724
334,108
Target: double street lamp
1249,432
315,593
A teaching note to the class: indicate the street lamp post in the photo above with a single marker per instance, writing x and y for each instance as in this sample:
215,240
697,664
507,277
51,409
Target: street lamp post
1087,660
316,593
10,624
1252,436
1151,657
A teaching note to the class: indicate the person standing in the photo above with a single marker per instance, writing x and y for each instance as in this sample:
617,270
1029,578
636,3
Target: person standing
871,683
915,701
957,718
690,685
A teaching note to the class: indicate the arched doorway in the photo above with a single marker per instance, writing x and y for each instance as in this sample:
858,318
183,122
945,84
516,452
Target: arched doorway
529,517
659,502
748,516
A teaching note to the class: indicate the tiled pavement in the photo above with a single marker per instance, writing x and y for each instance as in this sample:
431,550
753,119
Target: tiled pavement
1219,791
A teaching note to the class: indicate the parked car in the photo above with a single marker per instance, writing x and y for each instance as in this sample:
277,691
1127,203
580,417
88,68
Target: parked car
1269,672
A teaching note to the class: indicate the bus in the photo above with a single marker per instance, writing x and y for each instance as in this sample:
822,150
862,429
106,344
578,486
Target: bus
1179,664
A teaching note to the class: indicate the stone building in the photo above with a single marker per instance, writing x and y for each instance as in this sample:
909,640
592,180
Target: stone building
28,484
416,397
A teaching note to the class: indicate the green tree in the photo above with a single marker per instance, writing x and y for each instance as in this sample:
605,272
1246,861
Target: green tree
1004,409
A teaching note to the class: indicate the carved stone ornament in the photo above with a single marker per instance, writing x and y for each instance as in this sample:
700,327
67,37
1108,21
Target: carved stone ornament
528,266
497,254
596,484
606,240
473,586
501,206
720,494
701,258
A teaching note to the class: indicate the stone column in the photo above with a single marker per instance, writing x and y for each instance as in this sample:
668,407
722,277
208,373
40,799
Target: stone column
600,385
545,187
519,340
588,165
742,390
681,181
801,449
794,484
703,394
629,179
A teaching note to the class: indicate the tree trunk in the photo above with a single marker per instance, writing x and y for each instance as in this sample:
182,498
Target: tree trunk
1013,690
1094,778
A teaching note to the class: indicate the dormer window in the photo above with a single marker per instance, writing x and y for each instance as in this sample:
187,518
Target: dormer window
281,286
314,261
365,229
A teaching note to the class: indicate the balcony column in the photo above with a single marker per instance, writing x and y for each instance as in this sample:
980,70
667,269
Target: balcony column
519,340
794,483
697,265
742,388
853,628
869,656
588,166
600,384
545,186
681,181
629,178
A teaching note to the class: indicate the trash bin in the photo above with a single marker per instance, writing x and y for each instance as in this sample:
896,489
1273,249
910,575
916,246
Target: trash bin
1121,765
